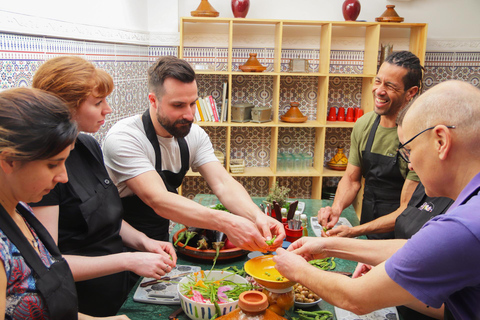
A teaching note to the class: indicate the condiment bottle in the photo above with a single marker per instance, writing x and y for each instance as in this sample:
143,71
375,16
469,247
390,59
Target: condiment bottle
303,218
252,305
281,301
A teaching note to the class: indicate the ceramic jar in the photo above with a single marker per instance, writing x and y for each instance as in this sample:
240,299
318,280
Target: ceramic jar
240,8
351,10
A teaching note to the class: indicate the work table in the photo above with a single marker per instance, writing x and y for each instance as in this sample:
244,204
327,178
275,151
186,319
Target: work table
140,311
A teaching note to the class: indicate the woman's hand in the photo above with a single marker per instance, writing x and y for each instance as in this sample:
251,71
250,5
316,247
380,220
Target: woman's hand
161,247
289,263
149,264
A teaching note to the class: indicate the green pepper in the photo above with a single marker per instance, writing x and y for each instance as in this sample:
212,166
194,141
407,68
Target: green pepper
271,241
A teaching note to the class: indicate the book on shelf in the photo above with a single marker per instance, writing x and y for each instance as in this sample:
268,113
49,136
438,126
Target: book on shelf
213,105
199,109
197,115
223,116
204,107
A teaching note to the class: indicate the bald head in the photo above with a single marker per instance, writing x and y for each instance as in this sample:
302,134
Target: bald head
452,103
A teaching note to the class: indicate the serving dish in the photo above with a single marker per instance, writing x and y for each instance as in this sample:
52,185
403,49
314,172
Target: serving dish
302,305
207,254
205,311
262,269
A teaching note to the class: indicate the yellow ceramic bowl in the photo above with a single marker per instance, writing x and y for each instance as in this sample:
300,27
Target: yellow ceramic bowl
262,269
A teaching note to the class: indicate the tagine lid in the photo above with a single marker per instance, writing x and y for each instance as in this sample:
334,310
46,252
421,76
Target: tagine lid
294,114
389,15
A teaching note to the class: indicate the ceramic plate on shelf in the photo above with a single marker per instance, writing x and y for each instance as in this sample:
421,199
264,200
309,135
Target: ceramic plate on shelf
163,292
382,314
317,228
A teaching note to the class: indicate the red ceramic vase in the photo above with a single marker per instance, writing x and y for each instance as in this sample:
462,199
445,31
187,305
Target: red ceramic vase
240,8
351,10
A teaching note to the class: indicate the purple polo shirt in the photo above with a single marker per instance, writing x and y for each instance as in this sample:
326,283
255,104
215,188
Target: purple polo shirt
441,263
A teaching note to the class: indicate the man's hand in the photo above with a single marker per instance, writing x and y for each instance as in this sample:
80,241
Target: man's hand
327,217
289,263
340,231
309,248
270,228
244,234
361,269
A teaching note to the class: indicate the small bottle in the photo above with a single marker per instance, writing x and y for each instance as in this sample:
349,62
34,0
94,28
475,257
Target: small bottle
252,305
303,218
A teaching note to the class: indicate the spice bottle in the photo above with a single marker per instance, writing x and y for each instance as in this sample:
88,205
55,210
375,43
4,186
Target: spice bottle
303,218
252,305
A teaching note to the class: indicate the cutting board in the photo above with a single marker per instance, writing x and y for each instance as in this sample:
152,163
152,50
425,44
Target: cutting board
163,292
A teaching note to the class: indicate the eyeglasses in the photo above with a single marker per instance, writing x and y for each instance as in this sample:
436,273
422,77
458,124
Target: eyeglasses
404,153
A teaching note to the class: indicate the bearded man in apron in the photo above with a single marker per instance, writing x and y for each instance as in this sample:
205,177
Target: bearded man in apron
148,156
389,184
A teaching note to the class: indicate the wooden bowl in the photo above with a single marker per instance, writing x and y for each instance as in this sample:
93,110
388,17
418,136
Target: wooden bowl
209,254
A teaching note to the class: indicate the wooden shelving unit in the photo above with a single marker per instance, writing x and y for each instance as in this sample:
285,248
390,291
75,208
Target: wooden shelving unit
230,31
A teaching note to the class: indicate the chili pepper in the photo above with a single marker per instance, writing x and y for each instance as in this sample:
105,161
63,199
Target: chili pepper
181,236
271,241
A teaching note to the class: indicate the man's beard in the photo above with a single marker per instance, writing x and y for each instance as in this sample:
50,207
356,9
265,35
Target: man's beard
177,132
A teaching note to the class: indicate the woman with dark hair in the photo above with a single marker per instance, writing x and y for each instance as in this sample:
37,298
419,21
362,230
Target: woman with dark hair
36,137
84,215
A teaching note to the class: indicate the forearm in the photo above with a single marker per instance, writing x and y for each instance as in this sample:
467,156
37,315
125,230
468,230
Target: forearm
365,251
190,213
131,237
379,225
355,295
346,192
236,199
85,268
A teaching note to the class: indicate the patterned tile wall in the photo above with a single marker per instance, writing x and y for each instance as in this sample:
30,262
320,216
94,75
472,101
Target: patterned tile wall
21,55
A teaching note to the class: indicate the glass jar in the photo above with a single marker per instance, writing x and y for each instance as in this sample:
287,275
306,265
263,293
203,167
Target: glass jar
281,301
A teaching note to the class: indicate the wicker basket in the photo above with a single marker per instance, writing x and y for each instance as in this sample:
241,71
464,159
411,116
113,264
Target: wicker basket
220,157
237,166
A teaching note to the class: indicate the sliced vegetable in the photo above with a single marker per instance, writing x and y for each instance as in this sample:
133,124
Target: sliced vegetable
213,291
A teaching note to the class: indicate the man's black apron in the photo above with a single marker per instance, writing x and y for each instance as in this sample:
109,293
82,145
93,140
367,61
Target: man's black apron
137,213
413,217
383,184
56,284
410,221
101,208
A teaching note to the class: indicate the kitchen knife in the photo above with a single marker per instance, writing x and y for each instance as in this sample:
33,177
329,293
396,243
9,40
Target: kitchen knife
292,209
278,211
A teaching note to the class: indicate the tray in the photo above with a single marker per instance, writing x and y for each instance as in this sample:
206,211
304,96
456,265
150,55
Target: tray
163,292
317,228
193,252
